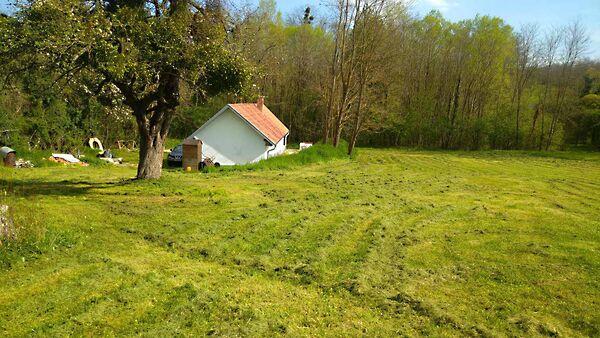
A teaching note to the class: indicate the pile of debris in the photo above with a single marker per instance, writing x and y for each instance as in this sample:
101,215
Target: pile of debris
8,158
104,154
66,159
21,163
107,156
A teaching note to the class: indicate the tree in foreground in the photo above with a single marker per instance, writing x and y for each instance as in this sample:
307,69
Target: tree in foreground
144,53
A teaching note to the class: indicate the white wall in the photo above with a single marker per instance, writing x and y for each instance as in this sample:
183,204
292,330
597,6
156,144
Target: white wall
231,140
279,148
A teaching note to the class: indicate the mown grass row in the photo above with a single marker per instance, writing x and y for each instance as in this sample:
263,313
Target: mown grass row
36,239
394,243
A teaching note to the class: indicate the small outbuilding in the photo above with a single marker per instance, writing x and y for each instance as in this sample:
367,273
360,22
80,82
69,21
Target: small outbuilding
8,156
192,154
242,133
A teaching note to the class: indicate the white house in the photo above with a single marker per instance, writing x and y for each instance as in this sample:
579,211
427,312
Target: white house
242,133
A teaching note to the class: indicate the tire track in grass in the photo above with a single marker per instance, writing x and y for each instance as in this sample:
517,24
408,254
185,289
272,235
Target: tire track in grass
76,293
572,189
354,260
286,215
338,262
444,163
566,204
384,269
421,305
250,234
386,279
220,236
435,163
388,254
318,231
260,246
477,166
590,185
384,275
266,297
413,163
282,235
264,243
301,247
576,186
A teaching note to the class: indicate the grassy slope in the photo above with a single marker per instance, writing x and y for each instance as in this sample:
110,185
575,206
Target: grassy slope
393,242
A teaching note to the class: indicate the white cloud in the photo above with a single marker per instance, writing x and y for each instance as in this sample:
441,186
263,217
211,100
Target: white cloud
442,5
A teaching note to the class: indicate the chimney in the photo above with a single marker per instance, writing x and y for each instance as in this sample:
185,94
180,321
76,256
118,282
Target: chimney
260,102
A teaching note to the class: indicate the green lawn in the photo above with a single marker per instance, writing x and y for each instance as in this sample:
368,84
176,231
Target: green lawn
392,242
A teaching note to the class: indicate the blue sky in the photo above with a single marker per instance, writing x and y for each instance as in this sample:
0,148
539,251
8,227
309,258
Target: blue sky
546,13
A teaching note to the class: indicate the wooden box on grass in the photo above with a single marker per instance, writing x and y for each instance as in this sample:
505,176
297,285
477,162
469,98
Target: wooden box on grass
192,154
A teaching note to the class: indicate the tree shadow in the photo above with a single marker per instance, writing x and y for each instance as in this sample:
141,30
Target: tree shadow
34,187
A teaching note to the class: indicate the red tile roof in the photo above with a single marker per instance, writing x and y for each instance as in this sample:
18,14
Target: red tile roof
263,120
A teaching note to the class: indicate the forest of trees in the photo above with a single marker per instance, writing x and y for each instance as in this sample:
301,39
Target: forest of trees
374,71
370,72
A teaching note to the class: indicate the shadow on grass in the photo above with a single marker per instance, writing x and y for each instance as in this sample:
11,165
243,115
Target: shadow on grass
29,188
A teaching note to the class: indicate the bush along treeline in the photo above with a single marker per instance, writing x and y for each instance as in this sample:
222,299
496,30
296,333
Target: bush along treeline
315,154
368,71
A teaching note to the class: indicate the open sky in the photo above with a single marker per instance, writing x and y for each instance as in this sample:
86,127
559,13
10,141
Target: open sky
546,13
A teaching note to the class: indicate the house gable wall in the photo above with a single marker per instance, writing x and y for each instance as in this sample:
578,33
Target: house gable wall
230,140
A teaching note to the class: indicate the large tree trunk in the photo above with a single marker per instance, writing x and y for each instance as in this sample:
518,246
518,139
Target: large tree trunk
328,112
325,135
153,130
355,132
352,144
153,124
542,130
337,130
151,156
518,129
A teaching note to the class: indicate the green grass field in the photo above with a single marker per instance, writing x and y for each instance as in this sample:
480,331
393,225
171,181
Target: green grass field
391,242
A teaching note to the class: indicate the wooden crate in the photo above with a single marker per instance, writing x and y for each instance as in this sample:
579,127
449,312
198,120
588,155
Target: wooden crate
192,154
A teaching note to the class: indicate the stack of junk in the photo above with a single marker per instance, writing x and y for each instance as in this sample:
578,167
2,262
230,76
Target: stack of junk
104,154
66,159
9,159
